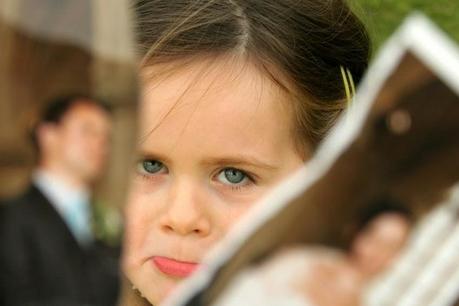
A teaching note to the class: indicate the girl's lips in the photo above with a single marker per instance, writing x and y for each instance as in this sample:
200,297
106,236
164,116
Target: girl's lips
174,267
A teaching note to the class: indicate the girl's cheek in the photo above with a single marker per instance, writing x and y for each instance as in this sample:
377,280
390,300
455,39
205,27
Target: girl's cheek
233,213
230,206
138,216
146,185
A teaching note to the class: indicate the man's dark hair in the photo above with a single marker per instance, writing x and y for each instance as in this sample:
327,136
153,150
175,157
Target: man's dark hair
383,205
377,207
56,108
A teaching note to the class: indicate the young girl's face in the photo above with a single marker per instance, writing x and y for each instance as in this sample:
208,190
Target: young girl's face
214,139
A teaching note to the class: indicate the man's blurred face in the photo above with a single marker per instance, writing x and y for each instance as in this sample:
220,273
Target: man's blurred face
80,141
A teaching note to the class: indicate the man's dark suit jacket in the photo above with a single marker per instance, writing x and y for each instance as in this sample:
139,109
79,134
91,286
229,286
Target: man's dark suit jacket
41,263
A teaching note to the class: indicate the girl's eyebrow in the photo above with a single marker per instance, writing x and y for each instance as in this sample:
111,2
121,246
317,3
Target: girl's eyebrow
241,160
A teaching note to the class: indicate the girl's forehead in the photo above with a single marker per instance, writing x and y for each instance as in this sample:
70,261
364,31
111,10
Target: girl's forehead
221,105
221,87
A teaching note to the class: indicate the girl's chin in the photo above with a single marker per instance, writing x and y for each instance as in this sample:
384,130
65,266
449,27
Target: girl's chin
158,294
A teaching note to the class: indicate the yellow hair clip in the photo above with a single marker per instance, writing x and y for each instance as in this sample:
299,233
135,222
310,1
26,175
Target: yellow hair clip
349,85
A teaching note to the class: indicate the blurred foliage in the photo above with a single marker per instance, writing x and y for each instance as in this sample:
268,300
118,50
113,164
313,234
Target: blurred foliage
107,223
384,16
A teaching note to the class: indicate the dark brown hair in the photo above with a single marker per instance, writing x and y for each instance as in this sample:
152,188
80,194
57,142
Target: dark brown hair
301,45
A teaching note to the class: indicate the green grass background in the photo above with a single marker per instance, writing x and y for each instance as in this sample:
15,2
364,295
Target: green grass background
384,16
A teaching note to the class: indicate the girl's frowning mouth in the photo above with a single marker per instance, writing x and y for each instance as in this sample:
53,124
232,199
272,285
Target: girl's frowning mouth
174,267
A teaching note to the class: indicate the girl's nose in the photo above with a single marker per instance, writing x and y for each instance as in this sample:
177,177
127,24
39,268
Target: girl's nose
186,213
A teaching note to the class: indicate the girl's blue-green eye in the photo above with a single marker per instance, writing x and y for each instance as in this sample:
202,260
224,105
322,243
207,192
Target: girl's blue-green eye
151,166
232,176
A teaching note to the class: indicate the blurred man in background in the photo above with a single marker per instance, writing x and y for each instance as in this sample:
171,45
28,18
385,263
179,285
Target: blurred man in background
48,254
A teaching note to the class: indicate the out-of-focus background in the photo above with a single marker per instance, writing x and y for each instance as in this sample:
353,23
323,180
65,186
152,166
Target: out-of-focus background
57,48
60,237
384,16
